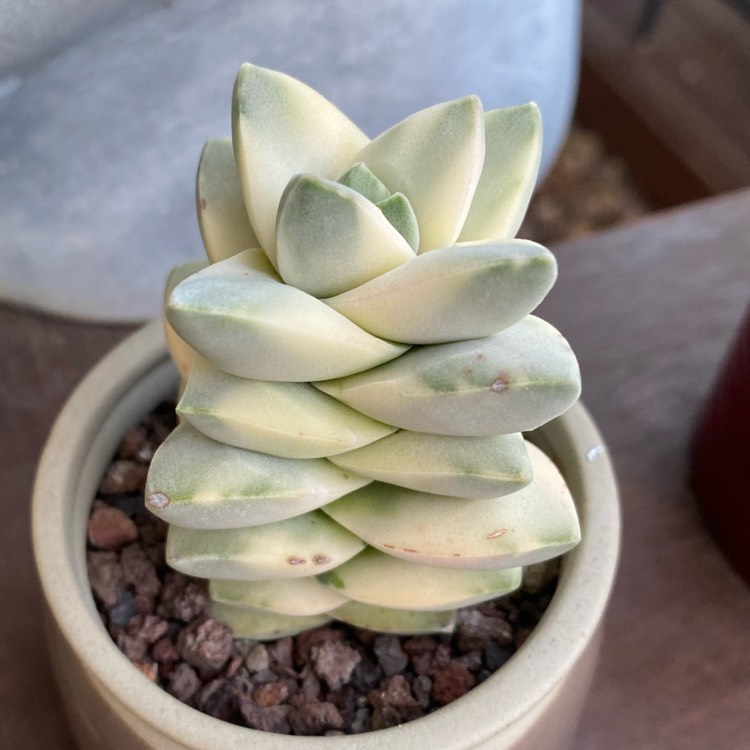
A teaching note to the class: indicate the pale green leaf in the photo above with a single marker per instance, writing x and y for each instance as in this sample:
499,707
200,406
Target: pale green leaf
181,352
292,596
400,214
197,482
222,217
536,523
470,467
513,149
262,625
452,294
241,317
434,157
293,420
381,580
329,238
400,621
361,179
513,381
294,548
281,127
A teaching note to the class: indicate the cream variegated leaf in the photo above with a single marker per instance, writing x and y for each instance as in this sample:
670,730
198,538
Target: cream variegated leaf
244,319
292,420
400,621
181,352
463,292
197,482
369,578
513,150
294,548
434,157
533,524
513,381
300,597
329,238
469,467
222,216
262,625
281,127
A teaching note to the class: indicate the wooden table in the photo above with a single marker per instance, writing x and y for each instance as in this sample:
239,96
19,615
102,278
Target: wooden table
650,309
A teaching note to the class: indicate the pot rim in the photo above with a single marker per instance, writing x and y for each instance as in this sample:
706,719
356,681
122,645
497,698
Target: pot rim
127,380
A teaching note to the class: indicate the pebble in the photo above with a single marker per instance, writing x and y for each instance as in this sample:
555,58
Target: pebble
391,657
334,662
110,529
451,683
205,644
267,719
257,660
105,576
123,476
315,718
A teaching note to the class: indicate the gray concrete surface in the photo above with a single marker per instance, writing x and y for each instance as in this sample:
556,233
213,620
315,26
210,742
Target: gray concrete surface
100,135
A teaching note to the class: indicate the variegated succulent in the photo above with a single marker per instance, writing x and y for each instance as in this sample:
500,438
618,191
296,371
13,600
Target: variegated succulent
359,365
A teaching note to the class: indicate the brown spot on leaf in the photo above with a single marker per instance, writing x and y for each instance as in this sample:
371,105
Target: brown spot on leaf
500,383
390,546
496,534
158,500
296,560
321,559
203,203
407,549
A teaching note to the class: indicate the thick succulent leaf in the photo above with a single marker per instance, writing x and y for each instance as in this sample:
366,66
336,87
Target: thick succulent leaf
513,381
513,149
469,467
261,625
400,214
181,352
293,420
434,157
294,596
536,523
381,580
329,238
281,127
293,548
247,322
358,177
196,482
400,621
453,294
222,217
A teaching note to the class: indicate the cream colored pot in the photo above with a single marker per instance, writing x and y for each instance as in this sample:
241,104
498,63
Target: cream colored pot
532,703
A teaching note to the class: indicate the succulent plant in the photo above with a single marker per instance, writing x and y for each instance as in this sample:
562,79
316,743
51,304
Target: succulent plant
360,363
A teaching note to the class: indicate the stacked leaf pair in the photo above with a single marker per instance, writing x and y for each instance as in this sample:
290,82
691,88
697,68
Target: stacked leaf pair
359,364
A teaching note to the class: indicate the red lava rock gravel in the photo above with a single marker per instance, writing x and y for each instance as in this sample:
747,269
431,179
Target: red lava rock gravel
331,680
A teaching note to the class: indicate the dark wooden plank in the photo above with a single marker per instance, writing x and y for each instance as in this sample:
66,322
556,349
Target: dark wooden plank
687,80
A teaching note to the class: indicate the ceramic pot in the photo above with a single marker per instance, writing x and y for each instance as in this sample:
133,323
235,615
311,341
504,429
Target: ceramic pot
532,703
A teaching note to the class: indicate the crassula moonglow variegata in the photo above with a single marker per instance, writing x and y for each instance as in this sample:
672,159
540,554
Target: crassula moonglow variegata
359,363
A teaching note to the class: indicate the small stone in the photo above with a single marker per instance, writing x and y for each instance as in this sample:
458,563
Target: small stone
217,699
309,689
139,572
315,718
271,694
495,656
427,663
110,529
391,657
125,609
123,476
334,662
105,573
366,676
422,689
473,630
280,653
451,683
361,721
183,682
305,641
132,444
205,644
266,719
164,651
257,660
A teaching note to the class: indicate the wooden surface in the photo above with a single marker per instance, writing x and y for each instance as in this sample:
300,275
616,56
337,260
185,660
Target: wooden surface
671,89
649,309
